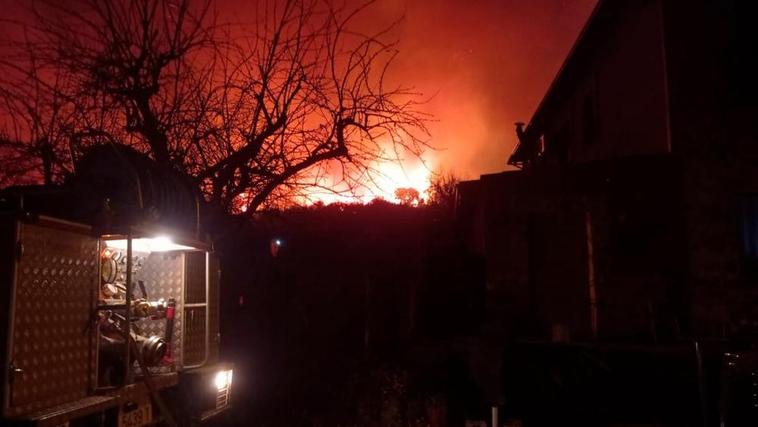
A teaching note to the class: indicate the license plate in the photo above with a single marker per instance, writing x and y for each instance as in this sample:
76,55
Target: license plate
138,416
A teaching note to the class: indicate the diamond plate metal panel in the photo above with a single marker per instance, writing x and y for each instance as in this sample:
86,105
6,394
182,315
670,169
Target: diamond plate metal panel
213,308
195,278
194,336
163,274
51,338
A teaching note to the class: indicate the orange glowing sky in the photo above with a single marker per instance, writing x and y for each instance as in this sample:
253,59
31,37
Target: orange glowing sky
487,64
483,64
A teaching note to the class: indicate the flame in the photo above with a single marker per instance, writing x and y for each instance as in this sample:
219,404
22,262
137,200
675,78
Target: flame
386,177
400,175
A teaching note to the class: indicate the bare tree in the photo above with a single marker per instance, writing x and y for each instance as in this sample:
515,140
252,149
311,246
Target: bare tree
253,116
94,72
33,144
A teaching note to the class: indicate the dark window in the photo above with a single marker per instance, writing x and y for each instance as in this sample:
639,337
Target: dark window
748,216
749,226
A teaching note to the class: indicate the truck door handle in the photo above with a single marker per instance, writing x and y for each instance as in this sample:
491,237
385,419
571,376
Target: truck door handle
14,371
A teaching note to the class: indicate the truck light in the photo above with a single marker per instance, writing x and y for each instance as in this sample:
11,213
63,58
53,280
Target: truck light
147,244
223,379
274,245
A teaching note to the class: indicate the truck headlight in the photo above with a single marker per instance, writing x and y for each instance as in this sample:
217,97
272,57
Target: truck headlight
223,379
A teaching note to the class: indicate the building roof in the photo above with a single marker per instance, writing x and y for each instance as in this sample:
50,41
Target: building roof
598,25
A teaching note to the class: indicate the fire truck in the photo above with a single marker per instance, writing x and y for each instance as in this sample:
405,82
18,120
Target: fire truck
109,300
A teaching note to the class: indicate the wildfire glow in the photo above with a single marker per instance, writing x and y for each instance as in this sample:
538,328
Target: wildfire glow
386,177
396,176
